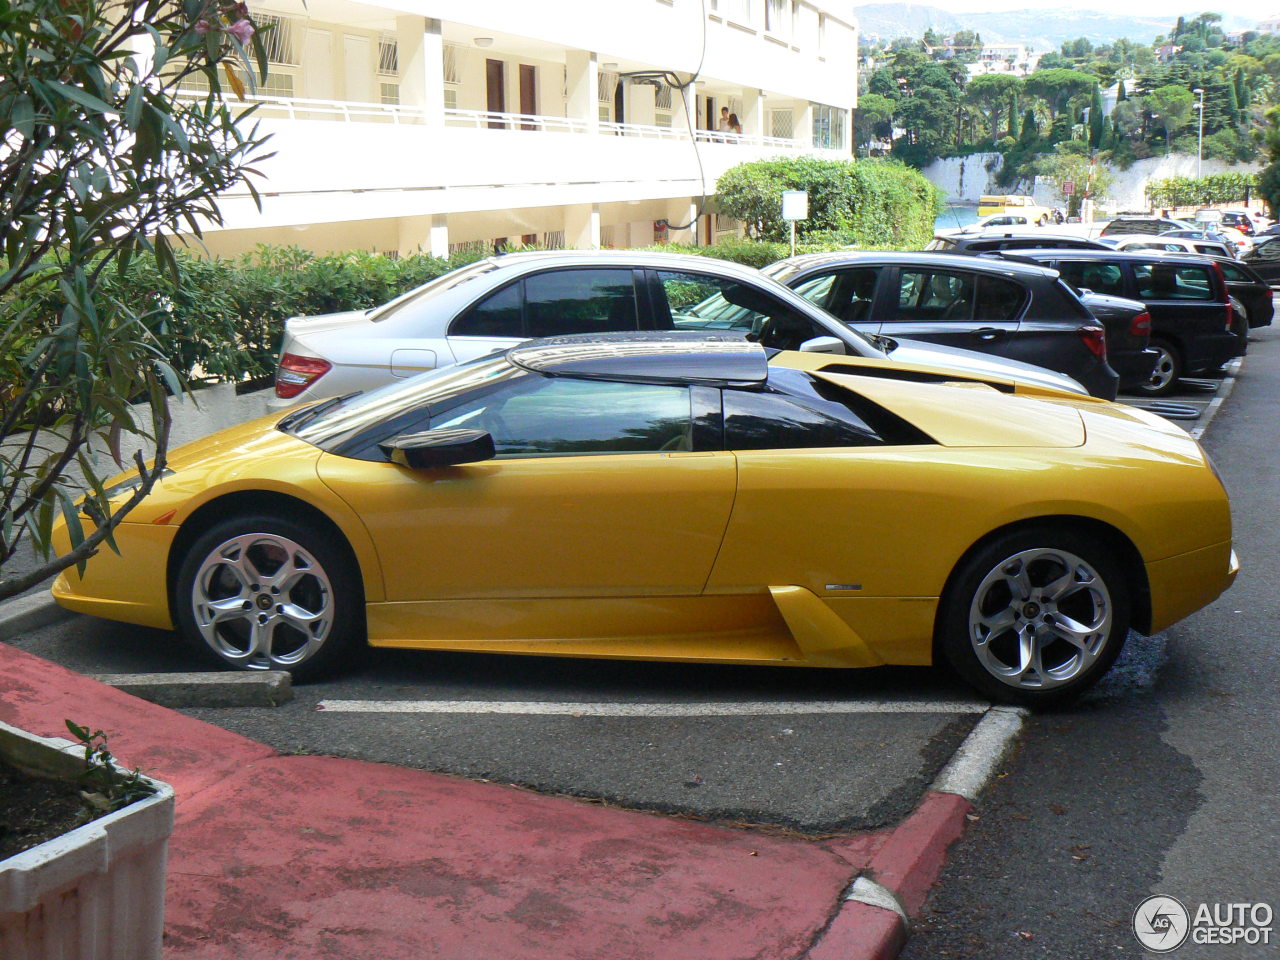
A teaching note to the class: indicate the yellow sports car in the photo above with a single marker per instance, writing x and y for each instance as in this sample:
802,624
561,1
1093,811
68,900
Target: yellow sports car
681,497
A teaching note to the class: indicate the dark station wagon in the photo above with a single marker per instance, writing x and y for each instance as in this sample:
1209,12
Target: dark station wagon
1017,311
1192,317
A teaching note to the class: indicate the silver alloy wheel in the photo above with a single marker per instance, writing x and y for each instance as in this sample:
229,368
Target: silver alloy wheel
261,601
1162,373
1040,619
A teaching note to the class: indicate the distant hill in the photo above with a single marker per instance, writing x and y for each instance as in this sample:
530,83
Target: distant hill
1038,29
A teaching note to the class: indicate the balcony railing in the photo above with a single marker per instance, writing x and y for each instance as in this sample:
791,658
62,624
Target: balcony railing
346,111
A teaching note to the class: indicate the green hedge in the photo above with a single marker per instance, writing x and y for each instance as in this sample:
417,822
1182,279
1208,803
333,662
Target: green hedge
870,203
1193,191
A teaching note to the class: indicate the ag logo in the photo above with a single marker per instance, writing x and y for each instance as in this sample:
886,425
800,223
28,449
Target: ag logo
1161,924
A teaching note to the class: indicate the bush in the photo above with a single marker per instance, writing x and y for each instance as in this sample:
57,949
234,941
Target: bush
1192,191
863,202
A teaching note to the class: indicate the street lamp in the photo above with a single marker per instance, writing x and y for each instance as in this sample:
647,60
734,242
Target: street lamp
1200,139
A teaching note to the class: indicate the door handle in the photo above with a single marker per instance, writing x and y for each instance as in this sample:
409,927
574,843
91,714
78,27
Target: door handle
990,333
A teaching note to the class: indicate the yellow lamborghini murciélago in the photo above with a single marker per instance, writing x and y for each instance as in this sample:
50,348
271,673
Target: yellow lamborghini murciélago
681,497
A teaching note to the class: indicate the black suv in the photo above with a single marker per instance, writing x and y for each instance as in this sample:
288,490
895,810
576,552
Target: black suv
1192,317
993,242
1018,311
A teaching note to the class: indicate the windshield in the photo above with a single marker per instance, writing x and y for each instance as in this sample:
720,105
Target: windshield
432,288
333,425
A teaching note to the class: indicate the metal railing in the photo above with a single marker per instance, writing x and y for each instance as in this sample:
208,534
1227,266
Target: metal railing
348,111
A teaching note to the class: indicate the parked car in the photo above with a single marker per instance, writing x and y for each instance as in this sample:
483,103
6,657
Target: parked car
1169,243
498,302
1148,225
1192,318
994,241
1264,259
1233,239
1009,204
1242,220
679,497
993,306
1252,292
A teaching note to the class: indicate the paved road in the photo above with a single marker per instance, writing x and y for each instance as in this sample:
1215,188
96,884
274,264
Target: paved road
1174,789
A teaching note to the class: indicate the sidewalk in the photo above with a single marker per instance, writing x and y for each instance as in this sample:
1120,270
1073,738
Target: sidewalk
319,857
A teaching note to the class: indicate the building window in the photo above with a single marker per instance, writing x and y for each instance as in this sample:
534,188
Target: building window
782,124
451,57
777,18
388,55
828,127
277,38
553,240
390,93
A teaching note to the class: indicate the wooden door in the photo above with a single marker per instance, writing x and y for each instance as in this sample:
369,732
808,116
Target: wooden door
528,94
496,90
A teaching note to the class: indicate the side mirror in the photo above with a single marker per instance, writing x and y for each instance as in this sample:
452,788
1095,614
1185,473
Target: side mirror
439,448
823,345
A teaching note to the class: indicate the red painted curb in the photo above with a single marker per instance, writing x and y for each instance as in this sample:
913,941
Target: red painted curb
907,863
861,932
910,860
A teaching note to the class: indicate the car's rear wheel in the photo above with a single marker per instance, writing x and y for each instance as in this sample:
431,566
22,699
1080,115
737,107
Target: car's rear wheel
1167,371
267,593
1035,616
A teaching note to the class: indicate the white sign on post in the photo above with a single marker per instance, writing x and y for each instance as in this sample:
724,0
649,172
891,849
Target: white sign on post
795,206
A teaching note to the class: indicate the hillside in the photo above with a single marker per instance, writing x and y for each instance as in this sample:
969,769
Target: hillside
1038,29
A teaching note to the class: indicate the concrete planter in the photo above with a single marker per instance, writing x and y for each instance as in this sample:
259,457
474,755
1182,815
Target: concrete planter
96,893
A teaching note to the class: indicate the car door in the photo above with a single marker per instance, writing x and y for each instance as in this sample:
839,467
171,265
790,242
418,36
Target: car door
847,293
1265,260
546,304
957,308
595,491
1186,308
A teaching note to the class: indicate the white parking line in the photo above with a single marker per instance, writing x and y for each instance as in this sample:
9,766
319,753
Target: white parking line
1228,384
746,709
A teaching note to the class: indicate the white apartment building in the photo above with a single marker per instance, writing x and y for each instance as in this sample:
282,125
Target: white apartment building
407,125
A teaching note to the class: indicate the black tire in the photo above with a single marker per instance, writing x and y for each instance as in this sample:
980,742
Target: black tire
1168,370
312,612
975,639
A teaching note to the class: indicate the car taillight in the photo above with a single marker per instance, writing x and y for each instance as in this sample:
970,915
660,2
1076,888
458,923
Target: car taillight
1140,326
1231,316
1095,339
1222,283
296,373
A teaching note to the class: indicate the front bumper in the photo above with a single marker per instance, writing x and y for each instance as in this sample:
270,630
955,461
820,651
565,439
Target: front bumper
1183,584
131,587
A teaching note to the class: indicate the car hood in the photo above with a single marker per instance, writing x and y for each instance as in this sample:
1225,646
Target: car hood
976,365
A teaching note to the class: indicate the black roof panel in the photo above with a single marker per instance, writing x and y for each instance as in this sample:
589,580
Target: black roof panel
660,357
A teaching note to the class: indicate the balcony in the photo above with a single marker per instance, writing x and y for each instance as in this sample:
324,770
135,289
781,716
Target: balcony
340,160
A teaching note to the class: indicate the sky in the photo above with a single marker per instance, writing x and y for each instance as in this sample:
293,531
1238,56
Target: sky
1249,9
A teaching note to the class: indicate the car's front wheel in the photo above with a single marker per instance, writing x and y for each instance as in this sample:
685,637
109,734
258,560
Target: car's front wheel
1035,616
1167,371
268,593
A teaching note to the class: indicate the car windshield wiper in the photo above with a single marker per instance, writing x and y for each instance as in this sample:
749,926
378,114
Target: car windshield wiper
304,416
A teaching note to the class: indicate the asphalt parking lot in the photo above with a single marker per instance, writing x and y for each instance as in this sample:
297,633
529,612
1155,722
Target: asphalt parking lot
813,751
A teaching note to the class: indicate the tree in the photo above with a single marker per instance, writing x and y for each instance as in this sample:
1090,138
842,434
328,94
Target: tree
872,120
1091,181
1121,95
992,92
101,161
1269,178
1170,107
1097,124
1058,86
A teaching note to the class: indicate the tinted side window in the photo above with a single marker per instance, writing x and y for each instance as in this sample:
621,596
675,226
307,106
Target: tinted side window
561,302
1267,251
1166,281
1099,277
558,416
700,302
846,294
1234,274
998,299
773,421
925,294
497,315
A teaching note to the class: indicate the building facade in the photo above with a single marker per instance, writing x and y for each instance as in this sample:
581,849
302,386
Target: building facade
433,125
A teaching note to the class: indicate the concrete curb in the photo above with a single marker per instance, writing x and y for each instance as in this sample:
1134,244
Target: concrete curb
29,613
873,921
269,688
